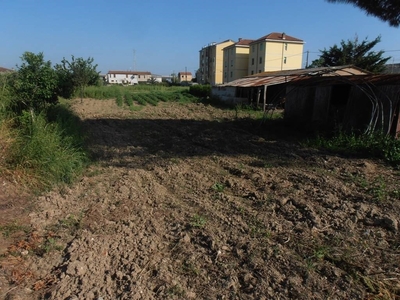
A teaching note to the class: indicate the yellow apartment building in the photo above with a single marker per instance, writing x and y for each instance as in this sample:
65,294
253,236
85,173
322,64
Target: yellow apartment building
236,60
275,52
211,63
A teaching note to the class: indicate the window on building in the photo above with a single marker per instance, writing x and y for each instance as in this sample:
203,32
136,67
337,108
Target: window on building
285,46
252,61
252,48
284,60
126,75
260,60
259,71
252,72
261,46
114,75
231,62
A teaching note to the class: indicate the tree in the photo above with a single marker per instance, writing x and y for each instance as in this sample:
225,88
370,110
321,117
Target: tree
353,52
76,75
386,10
174,78
35,84
153,80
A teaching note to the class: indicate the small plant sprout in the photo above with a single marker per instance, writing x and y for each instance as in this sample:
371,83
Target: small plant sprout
198,221
218,187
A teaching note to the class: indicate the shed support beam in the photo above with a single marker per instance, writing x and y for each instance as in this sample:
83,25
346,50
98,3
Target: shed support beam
265,98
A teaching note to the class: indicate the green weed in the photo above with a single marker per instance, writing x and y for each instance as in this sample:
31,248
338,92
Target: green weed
218,187
371,145
49,245
10,229
176,290
198,221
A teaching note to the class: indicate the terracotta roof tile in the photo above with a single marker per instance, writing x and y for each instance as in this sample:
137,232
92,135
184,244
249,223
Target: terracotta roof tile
244,42
130,72
5,70
278,36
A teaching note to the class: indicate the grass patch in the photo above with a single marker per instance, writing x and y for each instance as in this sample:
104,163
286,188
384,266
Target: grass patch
9,229
371,145
48,147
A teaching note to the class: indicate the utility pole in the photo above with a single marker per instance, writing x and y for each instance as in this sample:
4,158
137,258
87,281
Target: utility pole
307,59
134,59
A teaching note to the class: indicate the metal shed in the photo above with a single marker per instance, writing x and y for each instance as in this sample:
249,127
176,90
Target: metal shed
269,88
364,103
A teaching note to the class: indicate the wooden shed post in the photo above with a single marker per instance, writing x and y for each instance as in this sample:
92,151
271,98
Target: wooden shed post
258,96
265,97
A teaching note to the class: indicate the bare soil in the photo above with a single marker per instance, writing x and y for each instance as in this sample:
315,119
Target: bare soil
189,201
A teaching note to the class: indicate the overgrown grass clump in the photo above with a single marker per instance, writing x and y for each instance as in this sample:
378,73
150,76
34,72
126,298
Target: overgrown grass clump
47,147
372,145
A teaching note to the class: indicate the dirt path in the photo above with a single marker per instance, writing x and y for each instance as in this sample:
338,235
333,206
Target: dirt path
190,202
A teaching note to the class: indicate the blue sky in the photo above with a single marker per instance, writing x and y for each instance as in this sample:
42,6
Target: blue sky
165,36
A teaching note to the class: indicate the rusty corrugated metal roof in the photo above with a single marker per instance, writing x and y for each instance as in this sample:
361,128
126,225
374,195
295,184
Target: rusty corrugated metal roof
378,79
284,76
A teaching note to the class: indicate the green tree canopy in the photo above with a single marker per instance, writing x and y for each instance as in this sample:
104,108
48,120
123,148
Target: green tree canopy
76,75
35,84
386,10
353,52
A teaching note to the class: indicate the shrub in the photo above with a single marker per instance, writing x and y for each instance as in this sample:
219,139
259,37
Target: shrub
200,90
35,85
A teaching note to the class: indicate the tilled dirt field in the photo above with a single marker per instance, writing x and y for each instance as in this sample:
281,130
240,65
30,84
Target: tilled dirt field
189,201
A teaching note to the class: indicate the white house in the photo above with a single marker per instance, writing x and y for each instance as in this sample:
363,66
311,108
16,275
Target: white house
127,77
122,77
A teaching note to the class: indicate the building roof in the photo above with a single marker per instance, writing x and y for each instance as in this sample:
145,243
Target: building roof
279,77
130,72
185,73
240,43
275,36
215,44
370,79
243,42
5,70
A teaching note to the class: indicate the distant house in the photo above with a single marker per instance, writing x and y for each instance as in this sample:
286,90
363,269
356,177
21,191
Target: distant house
5,70
127,77
184,76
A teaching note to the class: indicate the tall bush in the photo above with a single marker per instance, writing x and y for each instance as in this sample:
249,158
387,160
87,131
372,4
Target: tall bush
35,85
200,90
